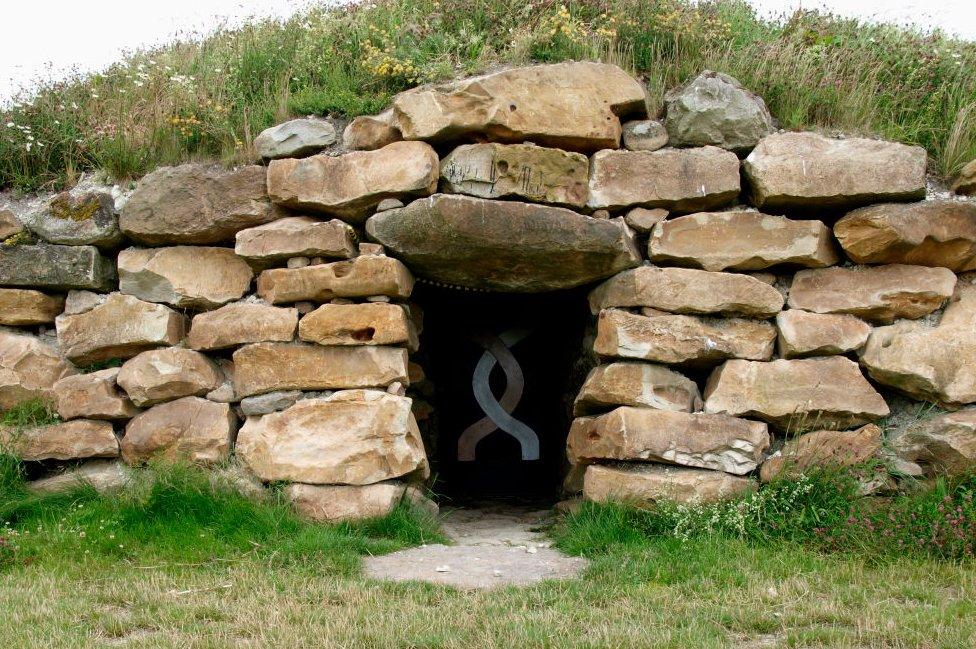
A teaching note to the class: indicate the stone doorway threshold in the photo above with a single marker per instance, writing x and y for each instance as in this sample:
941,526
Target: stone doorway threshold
493,547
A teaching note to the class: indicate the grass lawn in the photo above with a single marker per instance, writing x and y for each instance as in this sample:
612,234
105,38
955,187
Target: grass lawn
178,562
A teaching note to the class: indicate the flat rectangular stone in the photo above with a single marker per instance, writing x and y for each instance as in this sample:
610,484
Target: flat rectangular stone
71,440
296,236
45,265
649,483
358,277
269,367
21,307
358,324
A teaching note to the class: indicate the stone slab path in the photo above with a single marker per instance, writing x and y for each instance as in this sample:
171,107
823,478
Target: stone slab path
493,547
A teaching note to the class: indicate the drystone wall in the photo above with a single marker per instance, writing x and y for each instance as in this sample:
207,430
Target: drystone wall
752,290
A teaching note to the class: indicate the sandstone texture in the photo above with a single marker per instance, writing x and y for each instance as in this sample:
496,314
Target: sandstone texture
364,276
574,106
87,219
95,395
294,139
195,277
165,374
930,233
240,323
680,180
875,293
351,185
24,307
355,437
29,368
715,109
338,503
190,429
643,220
931,363
823,448
809,171
802,333
686,290
795,395
71,440
370,132
741,240
644,135
358,324
706,441
682,339
503,246
104,476
296,236
636,384
642,484
269,367
521,171
944,445
120,327
197,204
10,225
964,183
49,266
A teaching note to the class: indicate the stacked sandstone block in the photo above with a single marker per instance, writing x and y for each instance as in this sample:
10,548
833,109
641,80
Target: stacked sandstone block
742,301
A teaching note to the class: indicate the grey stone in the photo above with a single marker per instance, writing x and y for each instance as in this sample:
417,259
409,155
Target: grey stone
295,139
714,108
644,135
263,404
88,219
46,265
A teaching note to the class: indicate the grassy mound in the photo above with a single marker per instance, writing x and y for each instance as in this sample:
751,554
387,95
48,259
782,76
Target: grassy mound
208,99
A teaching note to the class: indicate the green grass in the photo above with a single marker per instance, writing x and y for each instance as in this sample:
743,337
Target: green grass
207,99
28,414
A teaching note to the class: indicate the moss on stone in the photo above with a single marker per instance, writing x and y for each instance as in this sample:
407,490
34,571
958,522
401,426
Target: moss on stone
64,206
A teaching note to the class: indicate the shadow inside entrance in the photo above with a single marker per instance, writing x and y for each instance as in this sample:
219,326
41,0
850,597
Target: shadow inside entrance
503,372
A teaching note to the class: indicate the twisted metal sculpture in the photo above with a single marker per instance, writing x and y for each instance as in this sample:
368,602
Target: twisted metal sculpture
498,411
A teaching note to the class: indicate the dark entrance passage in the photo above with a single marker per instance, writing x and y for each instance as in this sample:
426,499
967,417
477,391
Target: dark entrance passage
503,372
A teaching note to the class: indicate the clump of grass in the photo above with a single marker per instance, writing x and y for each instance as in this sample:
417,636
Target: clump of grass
208,98
28,414
179,515
819,508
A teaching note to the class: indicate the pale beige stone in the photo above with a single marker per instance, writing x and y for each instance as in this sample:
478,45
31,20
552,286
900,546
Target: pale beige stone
10,225
823,448
354,437
340,503
195,277
925,362
574,106
741,240
706,441
296,236
641,484
24,307
351,185
104,476
29,368
809,170
964,183
636,384
120,327
944,445
875,293
370,132
357,277
269,367
522,171
189,429
71,440
358,324
682,339
802,333
161,375
680,180
686,290
240,323
196,203
930,233
795,395
95,395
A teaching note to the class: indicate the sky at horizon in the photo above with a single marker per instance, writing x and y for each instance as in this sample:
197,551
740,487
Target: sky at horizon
87,37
